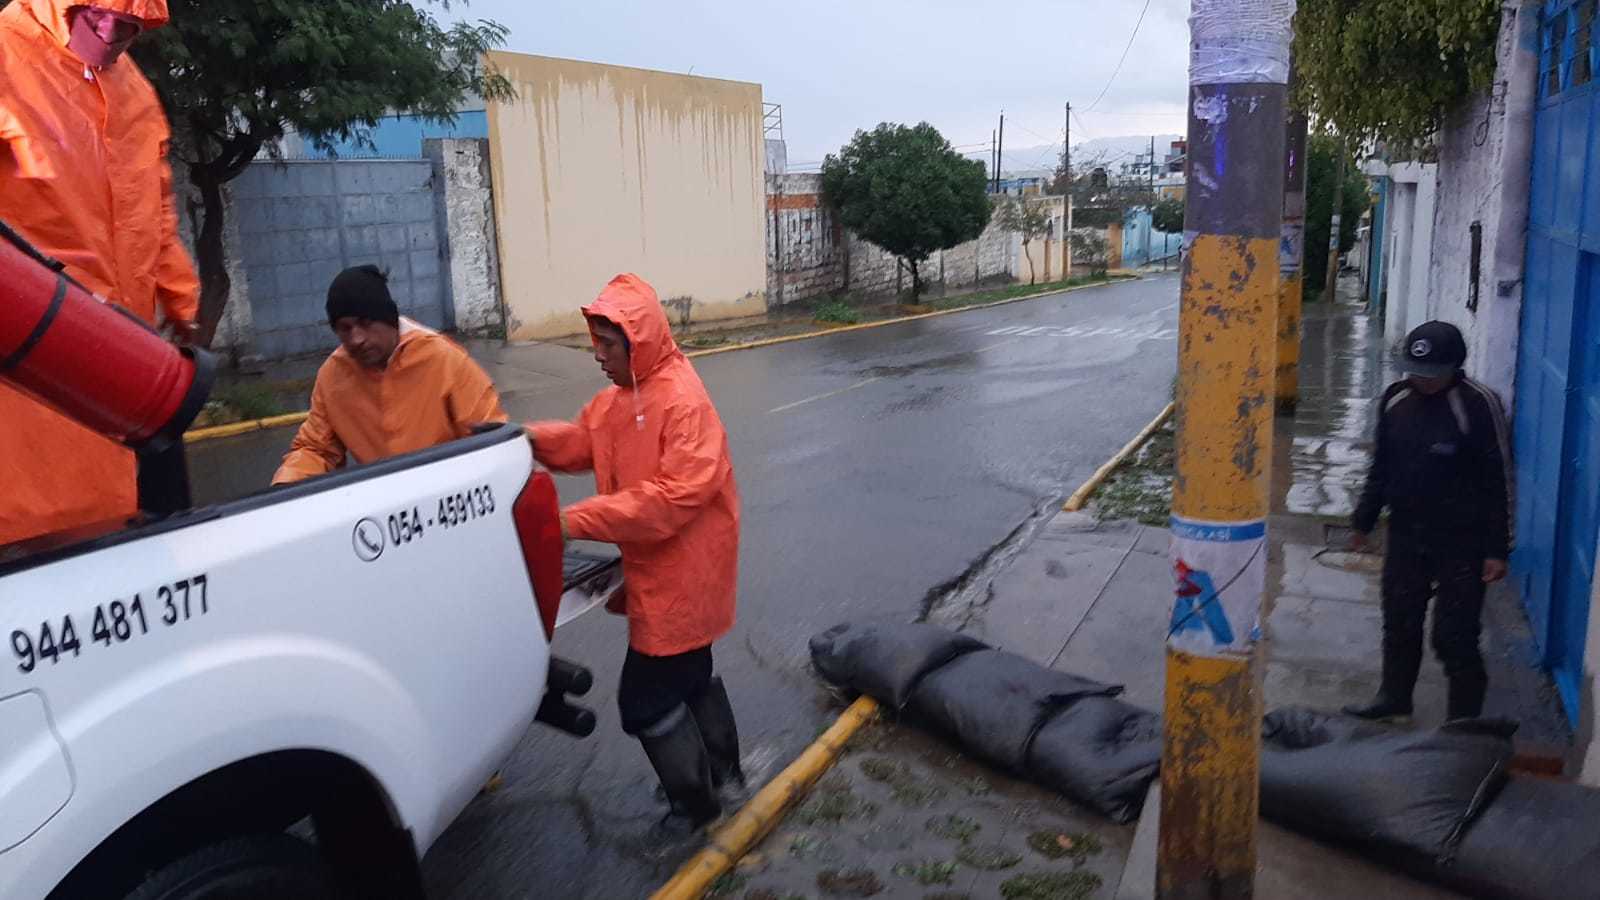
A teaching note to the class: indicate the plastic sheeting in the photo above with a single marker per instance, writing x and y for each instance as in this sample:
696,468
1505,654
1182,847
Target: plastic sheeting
1233,42
1405,796
886,660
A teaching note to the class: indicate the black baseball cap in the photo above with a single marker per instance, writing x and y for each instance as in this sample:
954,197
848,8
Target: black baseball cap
1433,350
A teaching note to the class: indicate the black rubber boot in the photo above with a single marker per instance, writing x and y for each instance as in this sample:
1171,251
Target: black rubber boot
678,754
714,714
1382,708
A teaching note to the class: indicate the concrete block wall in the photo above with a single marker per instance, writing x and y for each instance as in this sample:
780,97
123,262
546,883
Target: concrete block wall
301,222
809,255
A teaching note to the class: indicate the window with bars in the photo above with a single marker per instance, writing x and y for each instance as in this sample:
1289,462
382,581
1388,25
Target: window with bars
1569,48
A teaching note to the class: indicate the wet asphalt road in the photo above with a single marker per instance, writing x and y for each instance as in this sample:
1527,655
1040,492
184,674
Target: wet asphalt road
874,466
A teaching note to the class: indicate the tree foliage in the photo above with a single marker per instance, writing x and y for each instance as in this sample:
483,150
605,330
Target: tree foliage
1090,248
1030,221
905,189
1321,175
1388,70
1167,216
236,75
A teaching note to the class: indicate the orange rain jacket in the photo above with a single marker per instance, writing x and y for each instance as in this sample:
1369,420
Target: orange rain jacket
667,496
84,177
431,392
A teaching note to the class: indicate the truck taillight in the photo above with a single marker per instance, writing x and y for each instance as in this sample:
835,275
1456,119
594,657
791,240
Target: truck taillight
537,514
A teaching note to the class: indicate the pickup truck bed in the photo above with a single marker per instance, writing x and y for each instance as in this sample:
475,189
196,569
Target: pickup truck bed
364,649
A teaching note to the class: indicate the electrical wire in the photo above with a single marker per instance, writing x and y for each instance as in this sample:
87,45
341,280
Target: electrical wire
1118,71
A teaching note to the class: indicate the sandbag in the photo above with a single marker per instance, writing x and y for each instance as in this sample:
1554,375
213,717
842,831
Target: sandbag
885,660
1102,753
1404,797
993,702
1537,840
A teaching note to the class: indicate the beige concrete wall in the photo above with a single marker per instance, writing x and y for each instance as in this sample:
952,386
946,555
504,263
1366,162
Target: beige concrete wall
603,169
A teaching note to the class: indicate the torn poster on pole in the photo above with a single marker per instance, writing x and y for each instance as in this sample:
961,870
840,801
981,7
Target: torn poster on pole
1219,572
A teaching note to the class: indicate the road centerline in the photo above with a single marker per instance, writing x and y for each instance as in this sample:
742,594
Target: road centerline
844,390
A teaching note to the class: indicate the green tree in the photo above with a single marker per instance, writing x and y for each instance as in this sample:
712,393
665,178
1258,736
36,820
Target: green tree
1167,216
1030,221
906,190
1323,156
237,75
1388,70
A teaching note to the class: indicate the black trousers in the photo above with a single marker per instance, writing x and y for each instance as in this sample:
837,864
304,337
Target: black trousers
1410,579
653,686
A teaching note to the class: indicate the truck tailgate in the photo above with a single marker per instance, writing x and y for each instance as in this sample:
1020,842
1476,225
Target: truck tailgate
592,574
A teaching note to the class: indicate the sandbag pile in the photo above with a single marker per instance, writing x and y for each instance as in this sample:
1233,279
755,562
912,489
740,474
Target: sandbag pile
1438,804
1401,797
1058,729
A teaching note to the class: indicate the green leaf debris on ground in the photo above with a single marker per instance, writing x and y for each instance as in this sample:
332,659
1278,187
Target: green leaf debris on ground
1141,488
928,872
953,827
1051,886
849,883
989,858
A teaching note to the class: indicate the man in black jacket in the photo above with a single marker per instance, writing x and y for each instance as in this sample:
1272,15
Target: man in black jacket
1442,467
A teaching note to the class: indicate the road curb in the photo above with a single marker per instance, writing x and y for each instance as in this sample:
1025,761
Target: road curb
1081,496
237,428
221,431
824,332
766,809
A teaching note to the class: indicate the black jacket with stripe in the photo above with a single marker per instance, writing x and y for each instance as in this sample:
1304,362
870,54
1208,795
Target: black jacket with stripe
1442,465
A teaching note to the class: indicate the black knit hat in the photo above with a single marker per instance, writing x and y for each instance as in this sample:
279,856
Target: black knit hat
362,292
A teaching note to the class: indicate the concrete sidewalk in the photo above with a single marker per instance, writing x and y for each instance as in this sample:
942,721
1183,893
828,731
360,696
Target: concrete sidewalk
1094,598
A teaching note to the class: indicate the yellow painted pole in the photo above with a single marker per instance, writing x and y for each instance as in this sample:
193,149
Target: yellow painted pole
1291,259
1227,368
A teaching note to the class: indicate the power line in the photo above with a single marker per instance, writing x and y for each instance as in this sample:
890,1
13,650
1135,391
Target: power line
1118,71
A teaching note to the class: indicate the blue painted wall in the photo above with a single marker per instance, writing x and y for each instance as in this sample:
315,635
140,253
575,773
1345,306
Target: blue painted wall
401,137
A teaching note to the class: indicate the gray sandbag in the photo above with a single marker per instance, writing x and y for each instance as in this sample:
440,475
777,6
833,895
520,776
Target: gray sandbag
1102,753
885,660
1404,797
1537,840
994,702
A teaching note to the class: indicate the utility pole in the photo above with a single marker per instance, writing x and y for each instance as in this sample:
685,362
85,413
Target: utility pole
1150,229
1000,154
1292,258
1210,761
1331,291
1066,149
994,164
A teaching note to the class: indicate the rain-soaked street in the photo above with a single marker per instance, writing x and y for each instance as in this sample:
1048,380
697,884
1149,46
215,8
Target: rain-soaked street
874,466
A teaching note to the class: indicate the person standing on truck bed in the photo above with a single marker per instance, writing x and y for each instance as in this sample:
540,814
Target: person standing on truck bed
667,498
1442,467
84,178
392,387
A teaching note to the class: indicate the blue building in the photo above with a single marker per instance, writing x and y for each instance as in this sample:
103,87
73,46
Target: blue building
396,137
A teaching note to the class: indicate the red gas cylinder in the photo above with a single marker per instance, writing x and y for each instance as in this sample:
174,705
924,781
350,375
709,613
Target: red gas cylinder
93,362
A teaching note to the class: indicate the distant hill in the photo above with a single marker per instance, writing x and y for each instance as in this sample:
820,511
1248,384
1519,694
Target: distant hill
1111,150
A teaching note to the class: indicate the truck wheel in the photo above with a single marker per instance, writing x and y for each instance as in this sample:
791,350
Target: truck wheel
262,867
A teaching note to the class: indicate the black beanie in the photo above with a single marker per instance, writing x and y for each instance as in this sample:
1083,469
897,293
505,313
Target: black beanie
362,292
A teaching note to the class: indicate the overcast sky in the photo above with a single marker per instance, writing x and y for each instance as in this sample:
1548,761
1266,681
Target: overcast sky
840,65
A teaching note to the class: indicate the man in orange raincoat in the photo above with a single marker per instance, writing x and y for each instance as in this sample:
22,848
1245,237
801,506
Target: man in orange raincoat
392,387
83,177
667,498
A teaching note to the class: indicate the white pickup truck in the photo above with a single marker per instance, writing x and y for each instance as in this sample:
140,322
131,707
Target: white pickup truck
291,695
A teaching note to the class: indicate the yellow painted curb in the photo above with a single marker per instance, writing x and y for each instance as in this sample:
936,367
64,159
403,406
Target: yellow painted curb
824,332
1077,501
222,431
759,816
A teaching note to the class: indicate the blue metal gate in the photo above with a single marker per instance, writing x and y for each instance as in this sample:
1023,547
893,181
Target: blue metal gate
1558,378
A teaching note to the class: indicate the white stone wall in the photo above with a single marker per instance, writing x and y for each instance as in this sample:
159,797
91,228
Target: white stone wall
464,196
1472,172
